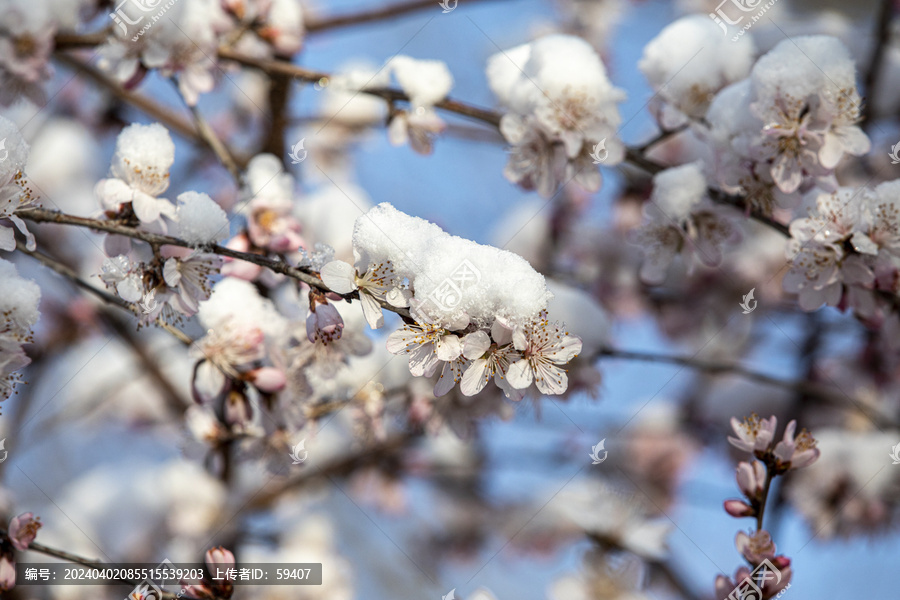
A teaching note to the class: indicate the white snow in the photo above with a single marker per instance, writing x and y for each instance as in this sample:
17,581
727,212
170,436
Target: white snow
143,151
200,219
690,60
426,82
236,302
802,66
484,282
677,190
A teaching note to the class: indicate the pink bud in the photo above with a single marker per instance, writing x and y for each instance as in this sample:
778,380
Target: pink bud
324,323
268,379
23,529
7,573
219,557
739,508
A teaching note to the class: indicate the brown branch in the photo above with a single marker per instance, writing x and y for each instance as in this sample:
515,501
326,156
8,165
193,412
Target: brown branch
284,68
307,276
314,25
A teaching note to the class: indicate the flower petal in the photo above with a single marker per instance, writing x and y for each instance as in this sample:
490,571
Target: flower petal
475,345
339,276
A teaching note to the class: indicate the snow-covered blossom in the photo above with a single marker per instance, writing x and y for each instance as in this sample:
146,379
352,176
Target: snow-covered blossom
125,276
15,192
225,350
544,346
140,172
754,435
19,299
787,126
451,276
425,82
561,106
378,284
189,277
796,453
23,529
200,219
688,63
26,43
681,220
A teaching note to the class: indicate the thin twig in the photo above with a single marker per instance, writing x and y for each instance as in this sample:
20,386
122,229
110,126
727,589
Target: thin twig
212,140
882,39
373,14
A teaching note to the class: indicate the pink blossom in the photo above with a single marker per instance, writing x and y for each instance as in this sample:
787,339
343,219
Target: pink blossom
751,478
755,547
23,529
753,434
219,558
739,508
268,379
7,572
796,453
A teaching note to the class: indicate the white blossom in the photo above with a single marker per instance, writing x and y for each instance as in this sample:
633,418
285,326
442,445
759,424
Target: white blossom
15,193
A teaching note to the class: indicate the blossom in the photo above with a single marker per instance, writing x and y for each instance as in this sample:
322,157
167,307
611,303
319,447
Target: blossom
755,547
19,301
323,323
219,557
126,277
561,104
140,172
427,345
754,435
26,43
543,346
23,529
418,127
378,284
225,351
7,571
189,277
425,82
490,360
795,453
15,192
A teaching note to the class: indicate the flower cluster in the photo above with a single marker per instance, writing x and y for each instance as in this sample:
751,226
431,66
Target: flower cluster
26,43
681,220
769,460
847,249
181,38
562,108
785,128
19,299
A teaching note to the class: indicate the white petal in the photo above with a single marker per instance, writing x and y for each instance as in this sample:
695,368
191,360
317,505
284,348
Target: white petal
474,380
501,332
550,379
7,238
475,345
399,341
30,244
339,276
519,374
449,348
446,381
567,349
130,289
423,360
171,274
209,381
398,297
371,310
146,207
